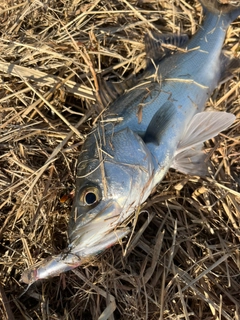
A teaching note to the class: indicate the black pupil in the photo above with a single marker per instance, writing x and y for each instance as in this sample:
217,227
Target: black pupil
90,198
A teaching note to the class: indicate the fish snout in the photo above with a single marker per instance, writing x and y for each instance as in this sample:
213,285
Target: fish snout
89,227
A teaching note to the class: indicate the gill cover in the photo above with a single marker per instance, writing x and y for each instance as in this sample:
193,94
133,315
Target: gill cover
114,175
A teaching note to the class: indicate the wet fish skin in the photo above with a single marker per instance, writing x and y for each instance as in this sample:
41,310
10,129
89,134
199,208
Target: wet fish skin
164,124
184,83
128,153
70,259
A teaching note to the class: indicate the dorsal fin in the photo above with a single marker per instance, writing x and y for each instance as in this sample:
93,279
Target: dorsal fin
158,45
215,7
110,91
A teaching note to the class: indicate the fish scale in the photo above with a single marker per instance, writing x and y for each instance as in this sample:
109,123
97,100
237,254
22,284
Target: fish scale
163,125
200,69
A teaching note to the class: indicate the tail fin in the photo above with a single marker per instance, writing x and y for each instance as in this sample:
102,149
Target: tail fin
213,6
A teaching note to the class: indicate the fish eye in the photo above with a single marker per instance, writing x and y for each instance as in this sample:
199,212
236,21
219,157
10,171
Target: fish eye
90,196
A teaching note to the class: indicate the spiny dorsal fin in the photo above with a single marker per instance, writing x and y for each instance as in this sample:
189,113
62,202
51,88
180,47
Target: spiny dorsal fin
158,45
110,91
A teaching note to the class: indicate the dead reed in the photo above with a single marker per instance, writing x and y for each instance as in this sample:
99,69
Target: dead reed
183,260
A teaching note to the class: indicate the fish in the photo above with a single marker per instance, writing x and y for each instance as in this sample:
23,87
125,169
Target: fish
157,124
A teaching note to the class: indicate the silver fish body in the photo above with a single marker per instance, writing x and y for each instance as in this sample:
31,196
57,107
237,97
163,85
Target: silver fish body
174,92
163,125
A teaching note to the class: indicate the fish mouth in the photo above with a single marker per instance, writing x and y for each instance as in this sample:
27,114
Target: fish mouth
72,259
96,225
100,244
86,241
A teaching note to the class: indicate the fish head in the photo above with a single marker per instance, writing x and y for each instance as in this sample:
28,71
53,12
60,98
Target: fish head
112,180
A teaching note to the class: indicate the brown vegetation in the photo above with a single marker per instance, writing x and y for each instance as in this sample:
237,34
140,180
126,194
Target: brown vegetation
183,259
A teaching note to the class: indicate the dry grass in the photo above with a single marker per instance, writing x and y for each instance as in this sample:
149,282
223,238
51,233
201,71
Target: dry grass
183,261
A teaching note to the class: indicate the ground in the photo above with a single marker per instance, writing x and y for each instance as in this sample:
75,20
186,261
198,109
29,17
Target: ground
182,261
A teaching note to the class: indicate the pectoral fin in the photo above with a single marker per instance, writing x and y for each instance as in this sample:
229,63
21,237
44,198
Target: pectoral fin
189,157
161,120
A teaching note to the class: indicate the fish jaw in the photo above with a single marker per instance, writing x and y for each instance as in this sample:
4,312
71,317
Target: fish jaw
122,180
105,218
73,258
128,187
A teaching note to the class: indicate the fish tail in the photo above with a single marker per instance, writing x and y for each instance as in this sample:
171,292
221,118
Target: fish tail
229,11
